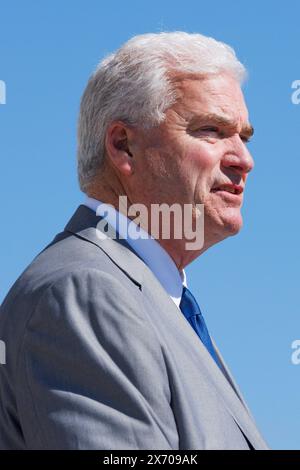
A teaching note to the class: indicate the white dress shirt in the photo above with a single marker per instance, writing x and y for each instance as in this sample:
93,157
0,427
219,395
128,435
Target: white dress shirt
149,250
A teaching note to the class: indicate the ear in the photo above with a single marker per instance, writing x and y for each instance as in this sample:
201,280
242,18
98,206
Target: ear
118,136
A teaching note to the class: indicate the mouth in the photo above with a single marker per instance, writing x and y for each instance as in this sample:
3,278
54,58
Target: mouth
229,188
231,194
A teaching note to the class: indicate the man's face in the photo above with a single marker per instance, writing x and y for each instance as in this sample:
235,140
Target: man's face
198,155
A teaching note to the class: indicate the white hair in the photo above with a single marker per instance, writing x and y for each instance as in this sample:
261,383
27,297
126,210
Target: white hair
133,85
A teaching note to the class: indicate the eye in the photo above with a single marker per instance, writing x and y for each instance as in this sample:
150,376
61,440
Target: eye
210,131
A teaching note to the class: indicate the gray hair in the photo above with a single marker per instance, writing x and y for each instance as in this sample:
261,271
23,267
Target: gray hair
133,85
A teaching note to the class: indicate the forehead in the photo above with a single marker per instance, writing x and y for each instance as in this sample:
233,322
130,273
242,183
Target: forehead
213,94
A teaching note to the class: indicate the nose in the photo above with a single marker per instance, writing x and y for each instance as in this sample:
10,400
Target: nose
238,158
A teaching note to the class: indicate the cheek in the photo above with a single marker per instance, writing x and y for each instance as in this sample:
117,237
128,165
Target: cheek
149,168
202,155
202,165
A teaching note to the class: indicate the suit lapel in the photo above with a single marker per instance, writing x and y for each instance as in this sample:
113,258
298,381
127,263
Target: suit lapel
229,377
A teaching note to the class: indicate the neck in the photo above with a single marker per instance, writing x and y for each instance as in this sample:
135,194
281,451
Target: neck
182,250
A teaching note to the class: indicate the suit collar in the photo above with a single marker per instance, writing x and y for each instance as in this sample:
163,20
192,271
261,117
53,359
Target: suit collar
145,246
84,224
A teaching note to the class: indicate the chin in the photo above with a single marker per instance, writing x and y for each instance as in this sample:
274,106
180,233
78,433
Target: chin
233,224
222,224
234,229
230,223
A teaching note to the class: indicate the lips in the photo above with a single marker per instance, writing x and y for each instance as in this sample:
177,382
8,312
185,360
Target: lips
229,188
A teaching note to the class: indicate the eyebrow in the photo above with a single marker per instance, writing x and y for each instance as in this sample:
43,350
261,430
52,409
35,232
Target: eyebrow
224,121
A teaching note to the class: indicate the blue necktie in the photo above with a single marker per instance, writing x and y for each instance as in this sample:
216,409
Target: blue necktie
192,313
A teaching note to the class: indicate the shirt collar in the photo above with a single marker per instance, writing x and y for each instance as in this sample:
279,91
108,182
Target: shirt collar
151,252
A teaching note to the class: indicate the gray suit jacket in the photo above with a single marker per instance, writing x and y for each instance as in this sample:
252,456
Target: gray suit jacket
98,356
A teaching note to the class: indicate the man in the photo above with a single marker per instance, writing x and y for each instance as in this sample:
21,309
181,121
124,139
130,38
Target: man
106,345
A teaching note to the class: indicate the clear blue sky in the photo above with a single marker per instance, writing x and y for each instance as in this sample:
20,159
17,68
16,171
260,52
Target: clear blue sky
247,286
